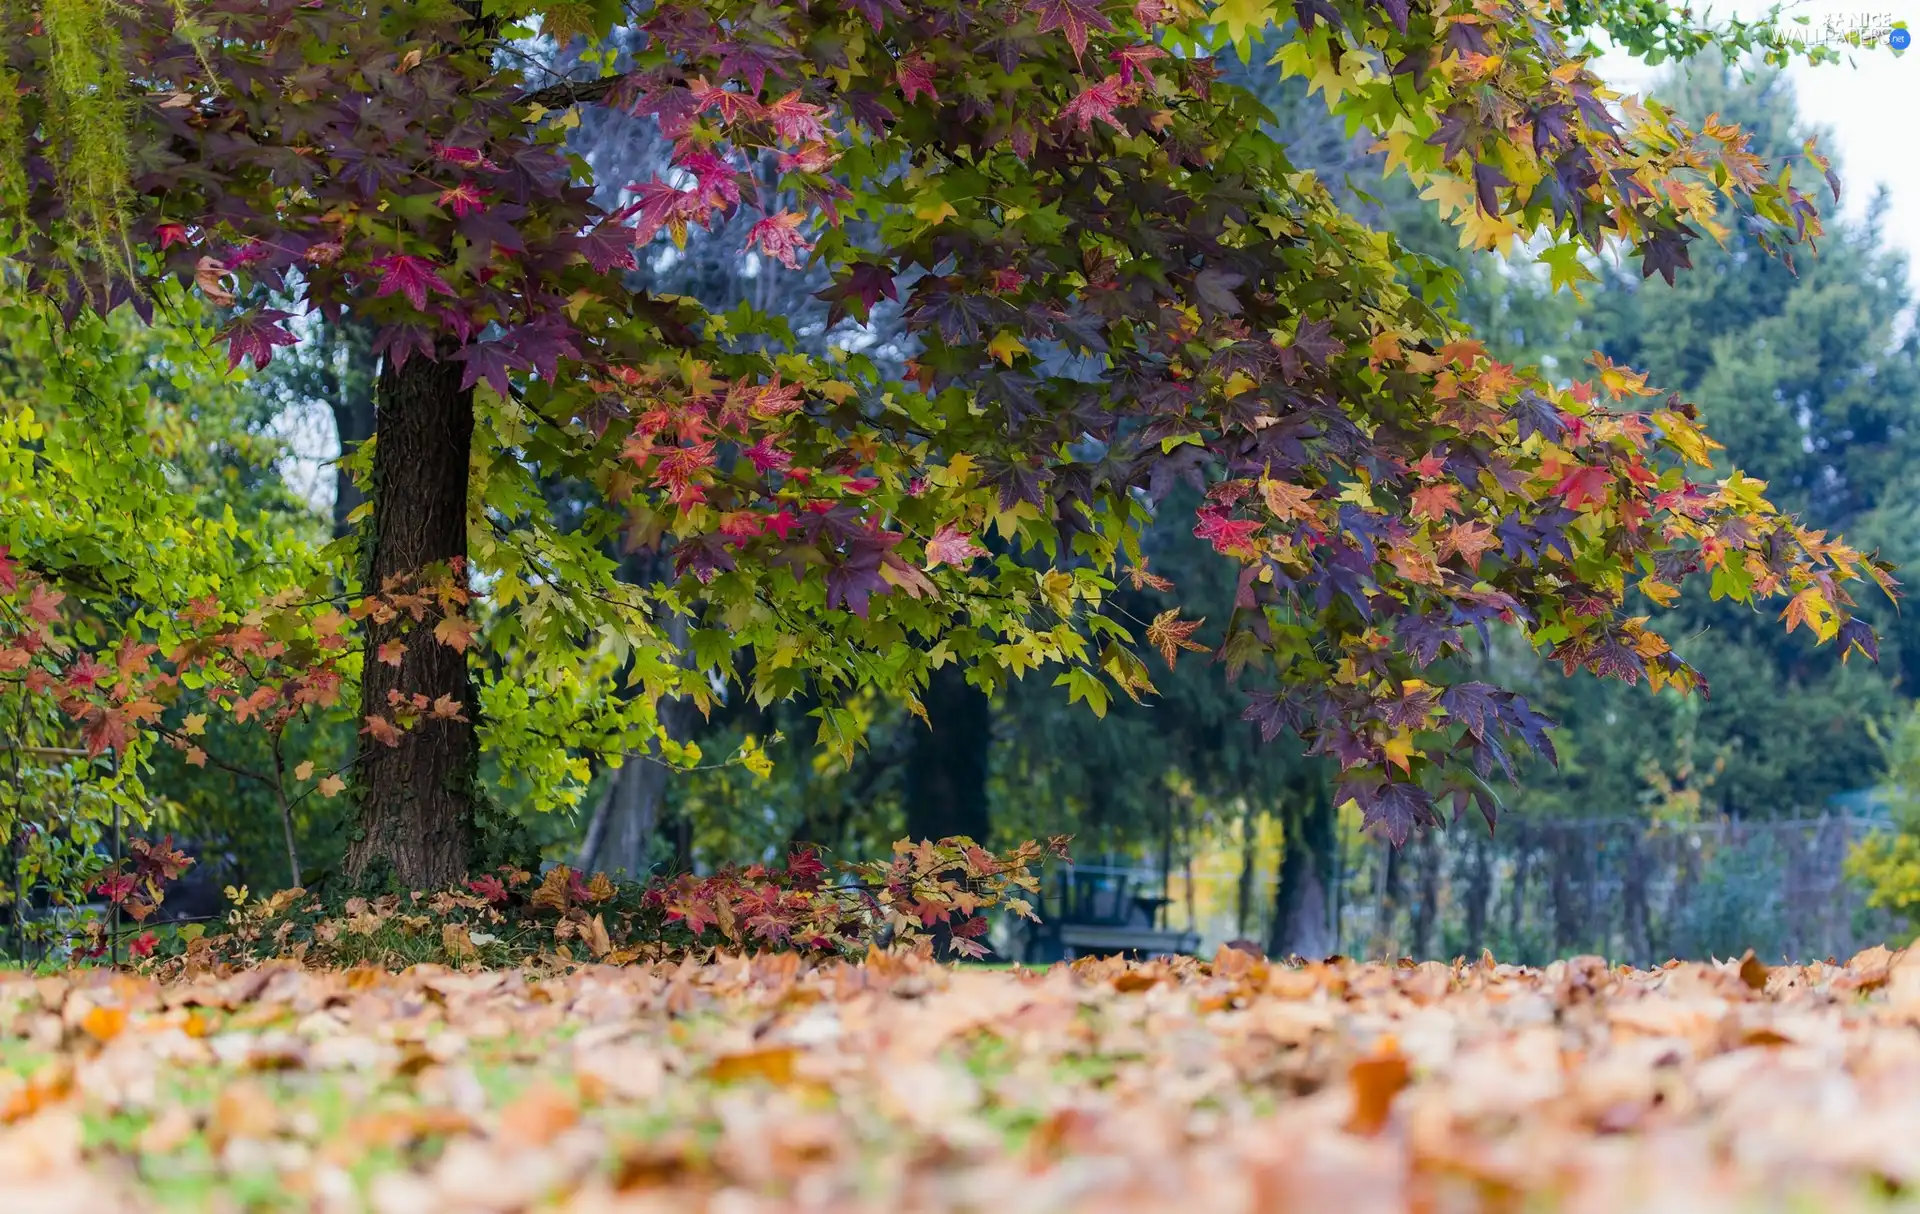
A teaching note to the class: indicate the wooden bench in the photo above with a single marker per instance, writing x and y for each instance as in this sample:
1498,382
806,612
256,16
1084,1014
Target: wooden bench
1100,939
1100,914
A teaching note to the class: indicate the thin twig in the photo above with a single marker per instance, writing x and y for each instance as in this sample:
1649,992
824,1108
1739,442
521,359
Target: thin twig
286,810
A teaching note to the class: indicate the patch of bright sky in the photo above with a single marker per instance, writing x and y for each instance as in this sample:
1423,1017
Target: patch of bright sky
1863,104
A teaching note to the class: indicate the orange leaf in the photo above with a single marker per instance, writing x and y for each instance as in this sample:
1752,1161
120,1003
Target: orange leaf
1374,1082
538,1116
774,1065
1170,634
455,632
1436,501
103,1024
1288,501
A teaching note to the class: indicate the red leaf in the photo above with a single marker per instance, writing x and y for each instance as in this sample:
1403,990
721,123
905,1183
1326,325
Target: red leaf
85,673
1231,536
766,457
490,888
1073,17
414,277
463,200
1585,484
1097,101
951,546
1135,59
915,74
44,603
794,120
107,730
779,238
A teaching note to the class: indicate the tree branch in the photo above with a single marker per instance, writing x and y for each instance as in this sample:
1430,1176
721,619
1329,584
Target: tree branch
569,92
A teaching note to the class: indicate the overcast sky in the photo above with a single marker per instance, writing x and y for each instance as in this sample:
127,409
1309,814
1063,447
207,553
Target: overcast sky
1869,106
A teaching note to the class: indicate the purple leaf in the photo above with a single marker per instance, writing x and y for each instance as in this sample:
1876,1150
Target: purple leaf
254,334
490,361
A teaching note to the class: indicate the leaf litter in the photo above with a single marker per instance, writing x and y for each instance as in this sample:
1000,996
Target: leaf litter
773,1083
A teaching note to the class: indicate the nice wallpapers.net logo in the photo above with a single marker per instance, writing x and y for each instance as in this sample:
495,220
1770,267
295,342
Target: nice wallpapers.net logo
1840,30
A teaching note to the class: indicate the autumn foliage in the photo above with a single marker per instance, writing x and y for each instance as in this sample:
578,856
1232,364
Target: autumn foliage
930,897
1112,283
774,1082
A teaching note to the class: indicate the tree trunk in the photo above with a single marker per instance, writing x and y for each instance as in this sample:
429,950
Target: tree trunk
416,798
1243,888
1427,860
947,763
350,371
1479,895
1301,924
1639,937
1566,922
639,793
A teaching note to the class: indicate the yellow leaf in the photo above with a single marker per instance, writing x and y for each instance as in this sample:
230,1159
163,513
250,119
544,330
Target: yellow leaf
1056,590
956,474
936,213
304,771
1659,592
1241,19
1400,750
331,786
1005,345
1450,194
195,724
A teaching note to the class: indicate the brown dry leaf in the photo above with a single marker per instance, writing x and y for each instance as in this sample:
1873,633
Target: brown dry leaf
537,1116
596,937
48,1087
167,1132
1374,1082
400,1127
790,1083
244,1109
457,941
208,275
1136,980
552,894
1753,972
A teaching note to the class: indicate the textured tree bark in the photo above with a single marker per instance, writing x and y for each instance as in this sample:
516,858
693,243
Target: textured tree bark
947,763
416,798
1302,926
347,348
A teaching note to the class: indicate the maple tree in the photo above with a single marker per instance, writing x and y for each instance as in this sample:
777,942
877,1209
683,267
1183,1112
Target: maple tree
1031,182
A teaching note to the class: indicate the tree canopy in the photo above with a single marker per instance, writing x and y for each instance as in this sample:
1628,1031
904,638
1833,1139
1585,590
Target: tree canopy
1113,282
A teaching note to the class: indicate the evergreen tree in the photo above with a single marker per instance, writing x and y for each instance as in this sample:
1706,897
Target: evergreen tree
1803,369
